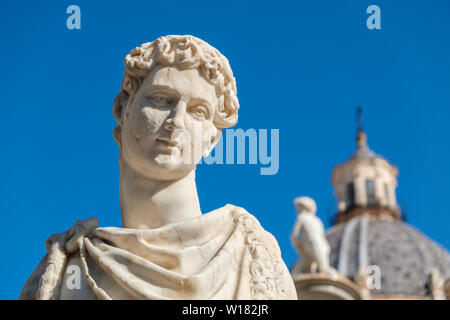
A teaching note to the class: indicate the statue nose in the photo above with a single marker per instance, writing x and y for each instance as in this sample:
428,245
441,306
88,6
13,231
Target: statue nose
176,118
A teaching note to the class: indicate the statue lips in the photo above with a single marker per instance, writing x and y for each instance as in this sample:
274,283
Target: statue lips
169,145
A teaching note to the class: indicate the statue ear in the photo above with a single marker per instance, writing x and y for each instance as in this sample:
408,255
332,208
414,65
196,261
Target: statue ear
117,134
214,140
119,105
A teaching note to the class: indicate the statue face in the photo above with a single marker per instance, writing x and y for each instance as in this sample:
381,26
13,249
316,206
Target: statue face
168,124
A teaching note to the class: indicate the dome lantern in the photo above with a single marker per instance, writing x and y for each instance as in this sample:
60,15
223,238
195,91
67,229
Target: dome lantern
366,183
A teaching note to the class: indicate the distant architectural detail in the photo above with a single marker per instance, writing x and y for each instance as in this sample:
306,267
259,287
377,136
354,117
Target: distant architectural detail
362,279
368,232
366,182
436,285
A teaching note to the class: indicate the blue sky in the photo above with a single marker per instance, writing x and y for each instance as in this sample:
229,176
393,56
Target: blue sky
301,67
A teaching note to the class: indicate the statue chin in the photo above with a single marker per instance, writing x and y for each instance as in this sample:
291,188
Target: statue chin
169,167
155,166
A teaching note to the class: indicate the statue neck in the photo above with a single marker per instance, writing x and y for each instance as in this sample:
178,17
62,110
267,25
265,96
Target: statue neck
147,203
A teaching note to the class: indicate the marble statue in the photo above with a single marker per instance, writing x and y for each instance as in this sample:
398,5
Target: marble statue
362,279
436,285
308,237
177,95
447,288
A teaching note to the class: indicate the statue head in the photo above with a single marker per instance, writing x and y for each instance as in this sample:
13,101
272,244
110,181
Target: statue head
177,94
305,205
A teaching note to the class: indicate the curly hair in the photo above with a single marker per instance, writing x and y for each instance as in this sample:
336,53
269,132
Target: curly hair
183,52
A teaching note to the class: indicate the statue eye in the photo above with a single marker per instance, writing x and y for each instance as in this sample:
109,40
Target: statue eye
200,112
160,99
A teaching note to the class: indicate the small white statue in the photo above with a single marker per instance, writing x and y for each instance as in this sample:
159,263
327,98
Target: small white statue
177,95
436,285
361,279
447,288
312,246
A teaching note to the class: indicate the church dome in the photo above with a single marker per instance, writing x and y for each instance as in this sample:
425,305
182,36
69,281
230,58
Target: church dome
405,257
371,234
370,245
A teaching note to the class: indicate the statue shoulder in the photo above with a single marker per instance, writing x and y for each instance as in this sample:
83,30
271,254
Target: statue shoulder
270,278
44,283
250,225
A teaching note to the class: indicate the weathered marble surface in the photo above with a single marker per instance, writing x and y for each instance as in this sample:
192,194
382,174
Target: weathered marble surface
177,95
224,254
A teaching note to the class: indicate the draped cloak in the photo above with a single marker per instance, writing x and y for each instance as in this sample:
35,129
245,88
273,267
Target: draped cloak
224,254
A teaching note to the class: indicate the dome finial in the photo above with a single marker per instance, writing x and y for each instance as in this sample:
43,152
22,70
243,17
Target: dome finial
359,117
361,138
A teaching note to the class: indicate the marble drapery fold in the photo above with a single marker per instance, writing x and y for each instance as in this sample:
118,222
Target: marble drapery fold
224,254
